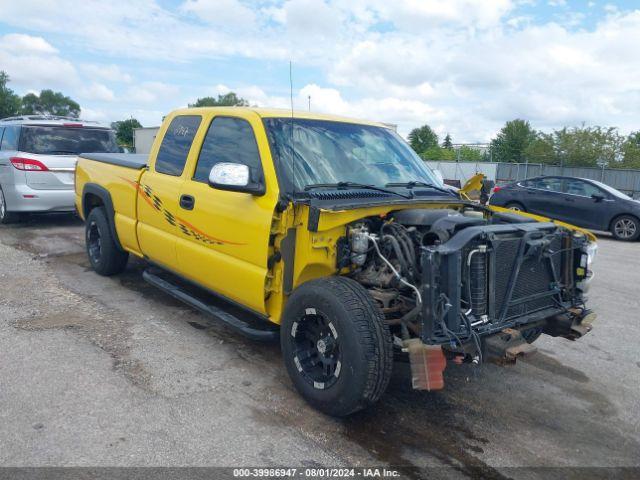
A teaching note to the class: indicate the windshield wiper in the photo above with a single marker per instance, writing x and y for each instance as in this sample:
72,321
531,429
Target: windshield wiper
416,183
346,185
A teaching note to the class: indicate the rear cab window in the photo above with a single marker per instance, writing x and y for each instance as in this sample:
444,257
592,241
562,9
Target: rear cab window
64,140
229,140
176,144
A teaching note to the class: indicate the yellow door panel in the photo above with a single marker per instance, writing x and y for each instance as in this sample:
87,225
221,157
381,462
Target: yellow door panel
223,242
158,198
159,189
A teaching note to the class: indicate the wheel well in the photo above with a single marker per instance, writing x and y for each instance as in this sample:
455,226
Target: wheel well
94,196
613,220
515,202
90,202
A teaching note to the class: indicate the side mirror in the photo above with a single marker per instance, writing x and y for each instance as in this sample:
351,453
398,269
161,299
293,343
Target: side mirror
234,177
597,197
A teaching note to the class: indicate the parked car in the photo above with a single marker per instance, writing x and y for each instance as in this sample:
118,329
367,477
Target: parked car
38,155
579,201
335,237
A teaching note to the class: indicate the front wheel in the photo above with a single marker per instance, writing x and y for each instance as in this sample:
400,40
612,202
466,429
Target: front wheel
516,207
104,255
625,227
336,345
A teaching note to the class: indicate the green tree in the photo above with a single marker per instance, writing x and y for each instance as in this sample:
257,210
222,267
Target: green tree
630,152
49,103
447,143
587,146
511,142
469,154
228,100
9,101
124,131
541,150
423,138
438,153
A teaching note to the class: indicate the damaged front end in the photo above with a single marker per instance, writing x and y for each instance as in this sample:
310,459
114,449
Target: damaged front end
472,286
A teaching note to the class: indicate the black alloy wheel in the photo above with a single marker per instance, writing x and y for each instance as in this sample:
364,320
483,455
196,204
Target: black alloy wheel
94,243
316,349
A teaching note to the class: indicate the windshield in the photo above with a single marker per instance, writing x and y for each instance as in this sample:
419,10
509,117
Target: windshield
54,140
330,152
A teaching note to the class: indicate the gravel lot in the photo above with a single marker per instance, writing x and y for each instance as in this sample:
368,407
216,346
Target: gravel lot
110,372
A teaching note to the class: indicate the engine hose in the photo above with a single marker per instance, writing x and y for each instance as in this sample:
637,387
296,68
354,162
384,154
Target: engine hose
393,269
407,243
404,266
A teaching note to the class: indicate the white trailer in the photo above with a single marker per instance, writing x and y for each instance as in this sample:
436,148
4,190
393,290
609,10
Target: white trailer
143,138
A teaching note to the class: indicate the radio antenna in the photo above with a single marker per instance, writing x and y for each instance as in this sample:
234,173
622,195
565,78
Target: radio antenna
293,150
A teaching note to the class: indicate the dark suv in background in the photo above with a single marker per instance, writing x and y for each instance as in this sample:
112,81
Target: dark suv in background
578,201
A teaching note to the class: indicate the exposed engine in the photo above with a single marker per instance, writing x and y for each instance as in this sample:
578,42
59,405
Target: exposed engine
397,241
447,276
387,254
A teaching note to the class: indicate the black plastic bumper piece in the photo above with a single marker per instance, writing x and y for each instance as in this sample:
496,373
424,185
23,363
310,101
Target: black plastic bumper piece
258,330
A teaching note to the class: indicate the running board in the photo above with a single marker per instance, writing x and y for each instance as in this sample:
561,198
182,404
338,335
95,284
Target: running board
257,330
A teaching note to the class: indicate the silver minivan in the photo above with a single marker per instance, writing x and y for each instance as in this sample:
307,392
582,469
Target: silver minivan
38,157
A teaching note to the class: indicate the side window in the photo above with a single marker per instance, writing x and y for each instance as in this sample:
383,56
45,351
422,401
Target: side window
584,189
549,184
10,138
1,133
229,140
176,144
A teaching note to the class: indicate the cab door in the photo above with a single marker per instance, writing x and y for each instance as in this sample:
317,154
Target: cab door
223,243
543,196
581,208
159,192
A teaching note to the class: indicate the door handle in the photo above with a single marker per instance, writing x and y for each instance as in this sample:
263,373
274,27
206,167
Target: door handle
567,199
187,202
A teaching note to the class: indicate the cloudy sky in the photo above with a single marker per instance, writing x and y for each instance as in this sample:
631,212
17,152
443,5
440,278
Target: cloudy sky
463,66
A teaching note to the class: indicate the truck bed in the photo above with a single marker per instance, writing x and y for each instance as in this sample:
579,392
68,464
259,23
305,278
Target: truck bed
118,174
128,160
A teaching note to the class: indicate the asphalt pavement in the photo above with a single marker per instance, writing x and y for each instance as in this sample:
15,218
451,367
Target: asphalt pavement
101,371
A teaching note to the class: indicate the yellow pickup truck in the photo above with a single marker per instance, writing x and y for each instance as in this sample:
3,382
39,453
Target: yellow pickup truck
333,236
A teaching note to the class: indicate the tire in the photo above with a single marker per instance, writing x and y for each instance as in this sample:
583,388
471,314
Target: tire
354,361
625,228
104,255
516,206
5,216
531,334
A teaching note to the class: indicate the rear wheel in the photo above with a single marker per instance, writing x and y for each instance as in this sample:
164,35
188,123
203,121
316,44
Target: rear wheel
625,227
336,346
516,207
5,216
105,256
